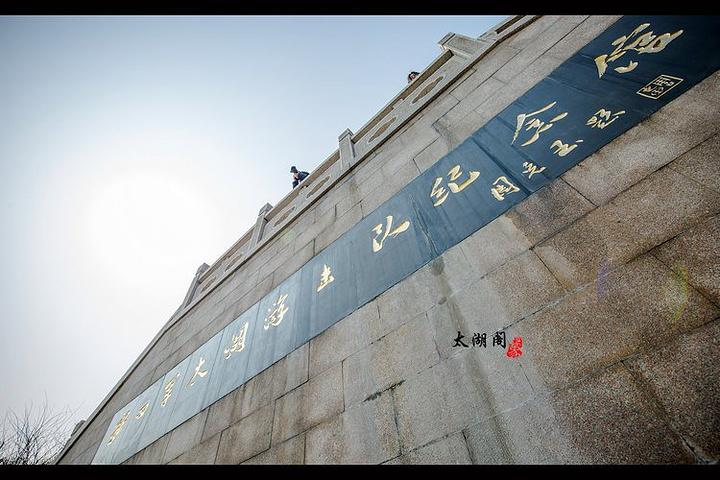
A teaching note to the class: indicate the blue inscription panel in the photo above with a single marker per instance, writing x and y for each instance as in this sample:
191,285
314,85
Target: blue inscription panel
629,71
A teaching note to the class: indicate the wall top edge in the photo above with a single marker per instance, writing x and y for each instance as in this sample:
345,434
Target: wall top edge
495,36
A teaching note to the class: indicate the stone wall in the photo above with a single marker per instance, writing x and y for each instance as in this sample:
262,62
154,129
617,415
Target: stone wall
609,274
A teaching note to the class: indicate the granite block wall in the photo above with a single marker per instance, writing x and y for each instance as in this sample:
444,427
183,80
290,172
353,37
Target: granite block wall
609,275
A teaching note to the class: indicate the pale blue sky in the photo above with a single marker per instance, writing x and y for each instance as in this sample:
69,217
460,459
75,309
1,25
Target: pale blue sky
135,148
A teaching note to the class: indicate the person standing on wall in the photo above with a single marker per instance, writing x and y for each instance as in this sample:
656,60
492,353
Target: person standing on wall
298,176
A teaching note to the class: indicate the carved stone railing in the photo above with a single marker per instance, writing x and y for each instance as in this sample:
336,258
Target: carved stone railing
459,54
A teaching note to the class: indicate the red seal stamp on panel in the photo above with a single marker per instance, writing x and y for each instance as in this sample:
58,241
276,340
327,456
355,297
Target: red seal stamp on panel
514,348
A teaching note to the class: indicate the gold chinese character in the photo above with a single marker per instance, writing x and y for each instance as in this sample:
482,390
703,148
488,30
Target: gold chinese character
325,278
538,125
277,314
238,342
601,119
142,410
531,169
197,372
505,187
563,148
118,427
645,43
168,389
378,230
454,173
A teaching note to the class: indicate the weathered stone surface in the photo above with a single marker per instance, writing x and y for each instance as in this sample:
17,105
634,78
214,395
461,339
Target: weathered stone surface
401,353
344,222
517,289
290,371
364,433
456,128
257,292
390,184
531,31
246,438
86,456
224,412
451,450
290,452
680,376
185,436
154,453
362,176
420,128
526,435
294,263
87,445
533,41
327,204
243,283
625,312
172,361
348,199
476,383
543,214
693,256
202,454
443,277
589,29
445,323
259,391
313,402
608,419
494,245
609,275
398,156
305,234
417,293
467,83
427,158
458,114
453,316
700,163
644,216
344,338
516,87
649,145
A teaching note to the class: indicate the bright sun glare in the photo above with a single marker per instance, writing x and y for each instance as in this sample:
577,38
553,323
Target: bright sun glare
147,220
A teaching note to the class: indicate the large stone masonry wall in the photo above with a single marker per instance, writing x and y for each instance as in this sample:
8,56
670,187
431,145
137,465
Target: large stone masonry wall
609,274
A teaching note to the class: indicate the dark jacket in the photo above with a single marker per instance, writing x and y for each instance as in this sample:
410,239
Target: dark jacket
301,177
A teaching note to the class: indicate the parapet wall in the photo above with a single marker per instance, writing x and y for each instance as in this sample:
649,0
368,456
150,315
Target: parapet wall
606,273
